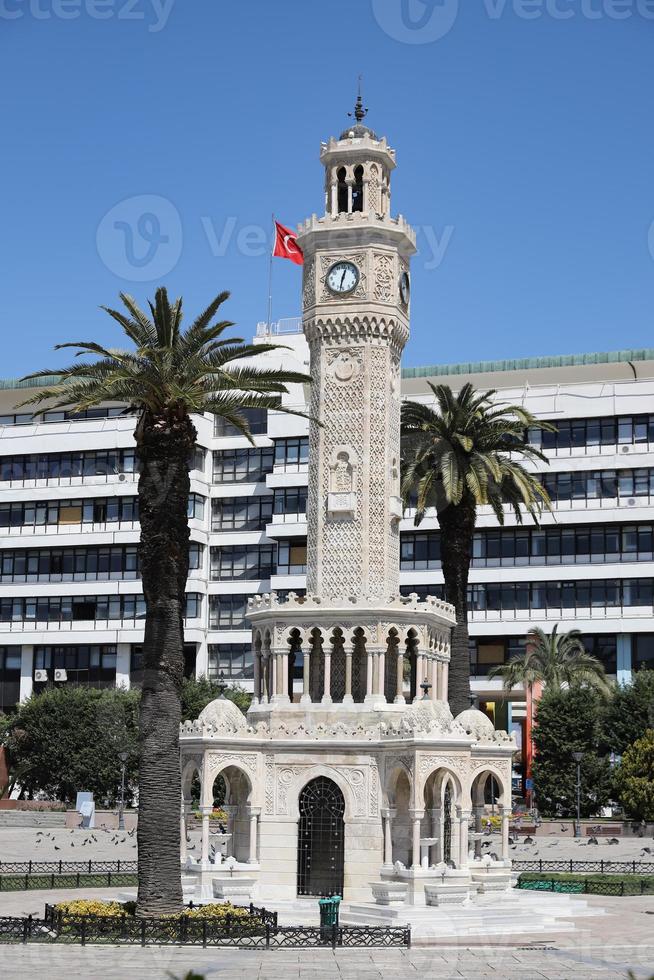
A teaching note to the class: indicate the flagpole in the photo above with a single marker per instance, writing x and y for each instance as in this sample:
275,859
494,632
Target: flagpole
270,270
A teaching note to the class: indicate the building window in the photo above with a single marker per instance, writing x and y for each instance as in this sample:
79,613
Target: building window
93,666
198,458
26,418
420,551
570,434
643,651
227,612
290,503
91,510
241,513
195,555
242,465
234,660
245,562
62,467
292,558
195,507
564,545
487,652
257,419
291,455
579,595
9,677
69,564
599,484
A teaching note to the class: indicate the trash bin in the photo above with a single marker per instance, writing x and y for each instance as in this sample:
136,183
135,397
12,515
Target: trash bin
329,911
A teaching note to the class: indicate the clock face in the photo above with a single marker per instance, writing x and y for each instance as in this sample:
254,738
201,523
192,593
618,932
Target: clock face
342,278
405,288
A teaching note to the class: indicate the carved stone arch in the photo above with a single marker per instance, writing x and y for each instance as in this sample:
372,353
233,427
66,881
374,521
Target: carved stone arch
190,766
297,777
436,777
233,770
478,785
391,776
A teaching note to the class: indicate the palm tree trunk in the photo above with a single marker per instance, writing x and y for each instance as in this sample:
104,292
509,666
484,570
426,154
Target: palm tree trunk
164,446
457,526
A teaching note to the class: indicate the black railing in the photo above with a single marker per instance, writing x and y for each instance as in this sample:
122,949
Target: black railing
257,930
599,867
588,886
71,879
66,867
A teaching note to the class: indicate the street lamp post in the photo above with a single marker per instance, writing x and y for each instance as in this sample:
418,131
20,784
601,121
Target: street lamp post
121,810
578,756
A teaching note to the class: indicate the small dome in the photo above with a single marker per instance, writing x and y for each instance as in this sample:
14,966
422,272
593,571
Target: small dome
223,715
427,716
357,131
475,722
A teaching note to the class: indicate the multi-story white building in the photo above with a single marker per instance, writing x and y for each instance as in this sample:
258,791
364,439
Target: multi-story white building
71,608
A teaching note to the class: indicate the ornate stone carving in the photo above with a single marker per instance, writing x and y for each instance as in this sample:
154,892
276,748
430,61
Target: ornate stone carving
359,260
384,276
345,364
309,284
357,783
216,761
374,789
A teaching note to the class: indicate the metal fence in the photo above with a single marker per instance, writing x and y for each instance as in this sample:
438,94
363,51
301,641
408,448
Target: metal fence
258,930
601,867
73,879
66,867
589,887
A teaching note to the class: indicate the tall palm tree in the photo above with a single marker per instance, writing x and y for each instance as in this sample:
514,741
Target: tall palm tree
464,453
553,660
168,375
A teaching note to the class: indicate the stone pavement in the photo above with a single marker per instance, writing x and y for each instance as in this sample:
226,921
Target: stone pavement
60,963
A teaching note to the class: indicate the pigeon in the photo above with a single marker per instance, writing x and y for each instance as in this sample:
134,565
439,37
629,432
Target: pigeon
613,840
529,840
646,850
593,840
57,848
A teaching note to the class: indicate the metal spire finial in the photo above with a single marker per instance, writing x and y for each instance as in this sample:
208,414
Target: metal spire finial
360,112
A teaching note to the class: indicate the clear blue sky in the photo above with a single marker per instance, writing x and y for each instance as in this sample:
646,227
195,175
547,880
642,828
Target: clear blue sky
525,146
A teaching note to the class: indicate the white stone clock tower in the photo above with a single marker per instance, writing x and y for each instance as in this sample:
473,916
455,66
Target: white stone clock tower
356,295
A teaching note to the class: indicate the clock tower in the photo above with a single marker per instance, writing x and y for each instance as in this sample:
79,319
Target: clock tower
356,296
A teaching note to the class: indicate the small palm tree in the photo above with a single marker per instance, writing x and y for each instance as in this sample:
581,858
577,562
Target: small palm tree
169,375
462,454
553,660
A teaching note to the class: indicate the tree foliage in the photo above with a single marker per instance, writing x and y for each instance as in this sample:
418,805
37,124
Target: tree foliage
67,739
567,721
629,713
634,778
554,659
198,692
457,456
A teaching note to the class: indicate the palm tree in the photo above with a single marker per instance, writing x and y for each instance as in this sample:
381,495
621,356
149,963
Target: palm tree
553,660
169,375
456,457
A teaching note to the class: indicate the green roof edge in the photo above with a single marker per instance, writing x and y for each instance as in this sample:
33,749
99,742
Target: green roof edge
529,363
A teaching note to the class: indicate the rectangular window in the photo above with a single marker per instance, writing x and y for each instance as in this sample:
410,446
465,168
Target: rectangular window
227,612
241,513
291,558
242,465
291,454
290,502
233,660
257,419
244,562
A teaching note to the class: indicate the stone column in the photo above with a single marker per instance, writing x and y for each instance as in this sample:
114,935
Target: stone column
399,676
446,669
464,816
334,207
348,650
505,812
265,670
439,679
254,812
477,812
204,854
306,678
286,691
433,679
420,674
437,831
256,697
369,667
327,686
416,817
381,674
388,815
350,184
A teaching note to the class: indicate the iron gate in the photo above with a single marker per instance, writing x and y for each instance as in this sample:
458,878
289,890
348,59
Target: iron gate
321,839
447,826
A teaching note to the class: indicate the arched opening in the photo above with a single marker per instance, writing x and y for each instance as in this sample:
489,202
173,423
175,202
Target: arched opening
337,666
399,799
231,792
442,796
488,800
357,189
341,190
321,839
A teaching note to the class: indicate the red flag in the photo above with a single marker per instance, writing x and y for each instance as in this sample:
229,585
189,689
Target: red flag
286,246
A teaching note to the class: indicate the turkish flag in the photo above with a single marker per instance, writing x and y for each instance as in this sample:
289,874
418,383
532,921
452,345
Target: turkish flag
286,246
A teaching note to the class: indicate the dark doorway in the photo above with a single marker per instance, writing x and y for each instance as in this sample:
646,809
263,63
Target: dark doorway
321,839
447,827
